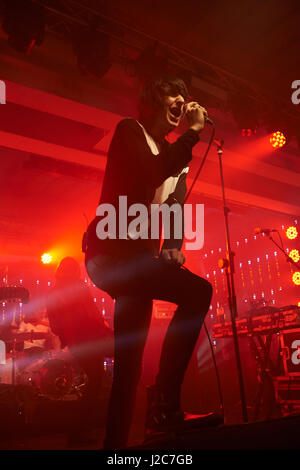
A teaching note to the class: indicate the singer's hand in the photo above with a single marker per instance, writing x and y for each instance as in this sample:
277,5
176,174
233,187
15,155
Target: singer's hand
195,115
173,255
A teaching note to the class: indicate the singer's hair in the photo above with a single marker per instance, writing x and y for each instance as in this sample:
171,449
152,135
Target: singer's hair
154,91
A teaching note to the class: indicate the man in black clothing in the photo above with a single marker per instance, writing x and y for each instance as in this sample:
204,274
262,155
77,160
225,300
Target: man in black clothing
147,169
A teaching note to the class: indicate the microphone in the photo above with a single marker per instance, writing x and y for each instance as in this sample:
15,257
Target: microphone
267,231
209,121
206,118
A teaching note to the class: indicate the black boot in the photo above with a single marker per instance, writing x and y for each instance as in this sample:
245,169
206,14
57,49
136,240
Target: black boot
164,415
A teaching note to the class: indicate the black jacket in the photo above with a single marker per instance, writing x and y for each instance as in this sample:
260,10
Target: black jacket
134,171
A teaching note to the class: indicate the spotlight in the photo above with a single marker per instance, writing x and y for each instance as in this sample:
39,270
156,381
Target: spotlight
294,254
291,233
24,23
248,132
92,49
296,278
278,139
46,258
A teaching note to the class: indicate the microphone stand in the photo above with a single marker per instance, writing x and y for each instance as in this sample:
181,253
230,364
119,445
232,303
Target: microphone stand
228,265
288,258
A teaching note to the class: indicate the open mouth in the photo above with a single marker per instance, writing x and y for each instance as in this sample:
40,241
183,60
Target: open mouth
175,113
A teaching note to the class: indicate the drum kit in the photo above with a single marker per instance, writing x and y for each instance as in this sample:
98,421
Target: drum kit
52,373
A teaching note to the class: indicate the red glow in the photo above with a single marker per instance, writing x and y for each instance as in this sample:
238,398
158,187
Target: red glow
248,132
46,258
296,278
294,254
292,233
277,139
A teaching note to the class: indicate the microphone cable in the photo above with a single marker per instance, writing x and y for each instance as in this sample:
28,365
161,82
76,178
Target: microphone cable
205,327
203,160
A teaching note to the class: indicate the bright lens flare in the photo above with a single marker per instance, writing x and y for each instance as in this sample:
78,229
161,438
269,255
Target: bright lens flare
294,254
296,278
277,139
292,233
46,258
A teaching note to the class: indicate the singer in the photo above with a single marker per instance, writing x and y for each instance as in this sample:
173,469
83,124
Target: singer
146,168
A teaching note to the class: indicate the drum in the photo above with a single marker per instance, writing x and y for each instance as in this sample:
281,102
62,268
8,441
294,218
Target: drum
56,377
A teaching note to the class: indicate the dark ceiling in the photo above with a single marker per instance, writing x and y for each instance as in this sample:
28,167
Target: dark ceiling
223,42
257,40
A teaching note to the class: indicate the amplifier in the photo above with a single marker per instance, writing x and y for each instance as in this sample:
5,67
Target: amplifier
287,390
284,318
163,310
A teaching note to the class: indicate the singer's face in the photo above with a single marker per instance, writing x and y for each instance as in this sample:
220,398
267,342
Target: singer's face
172,111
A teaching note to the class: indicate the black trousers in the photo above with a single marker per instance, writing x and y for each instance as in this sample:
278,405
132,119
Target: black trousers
134,283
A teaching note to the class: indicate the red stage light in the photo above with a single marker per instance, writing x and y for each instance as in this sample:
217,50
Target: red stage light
46,258
296,278
294,254
277,139
248,132
292,233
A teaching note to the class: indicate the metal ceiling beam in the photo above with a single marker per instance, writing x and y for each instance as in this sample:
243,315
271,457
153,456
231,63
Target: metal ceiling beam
58,106
46,149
